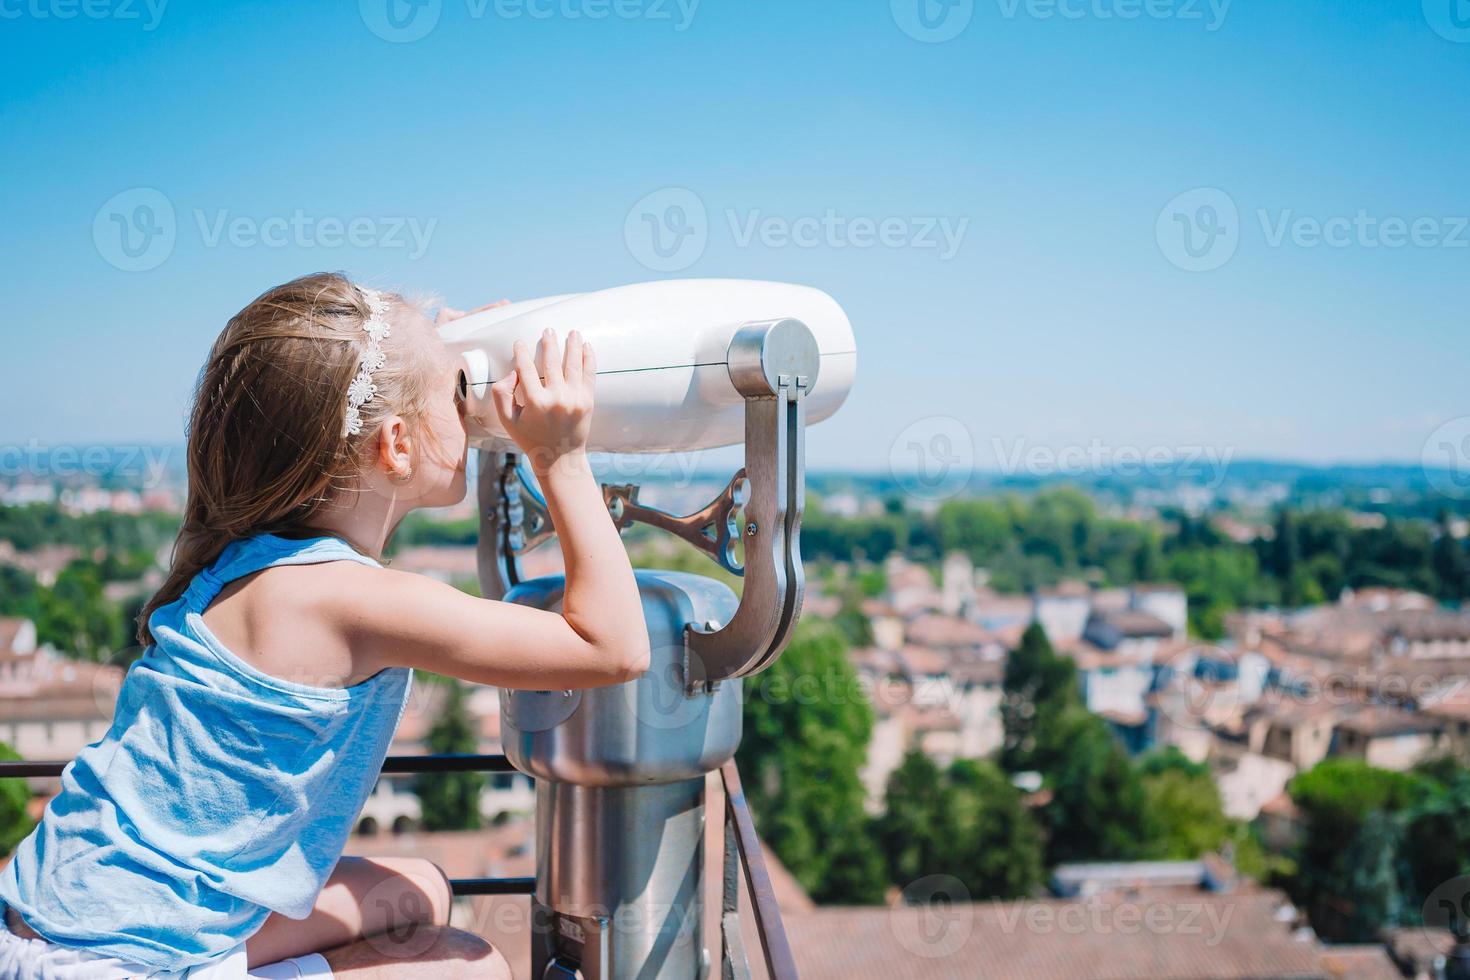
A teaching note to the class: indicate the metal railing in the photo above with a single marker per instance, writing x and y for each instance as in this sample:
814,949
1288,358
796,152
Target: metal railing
742,851
743,848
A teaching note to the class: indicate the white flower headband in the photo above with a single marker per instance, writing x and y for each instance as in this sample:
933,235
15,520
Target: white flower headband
362,389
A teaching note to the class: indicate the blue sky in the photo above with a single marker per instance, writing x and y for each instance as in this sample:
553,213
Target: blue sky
514,147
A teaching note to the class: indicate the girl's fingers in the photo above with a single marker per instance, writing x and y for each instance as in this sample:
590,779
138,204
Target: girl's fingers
548,359
589,364
503,395
572,359
530,379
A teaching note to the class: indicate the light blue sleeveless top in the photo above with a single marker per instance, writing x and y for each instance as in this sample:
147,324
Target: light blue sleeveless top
220,793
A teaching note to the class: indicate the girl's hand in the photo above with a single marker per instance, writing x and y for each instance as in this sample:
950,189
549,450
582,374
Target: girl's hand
546,405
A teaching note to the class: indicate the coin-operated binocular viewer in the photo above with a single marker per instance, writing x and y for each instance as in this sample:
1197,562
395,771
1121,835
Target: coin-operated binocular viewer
620,811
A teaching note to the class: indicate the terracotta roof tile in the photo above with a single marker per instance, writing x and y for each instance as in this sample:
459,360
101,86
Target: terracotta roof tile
1156,936
1359,963
1379,721
1135,624
937,630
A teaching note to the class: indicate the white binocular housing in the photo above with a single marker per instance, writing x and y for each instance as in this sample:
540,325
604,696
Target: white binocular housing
667,358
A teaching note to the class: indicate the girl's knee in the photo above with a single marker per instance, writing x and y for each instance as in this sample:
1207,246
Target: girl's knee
432,880
434,952
494,966
472,957
406,890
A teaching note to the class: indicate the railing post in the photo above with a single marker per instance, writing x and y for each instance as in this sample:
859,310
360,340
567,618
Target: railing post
733,964
780,964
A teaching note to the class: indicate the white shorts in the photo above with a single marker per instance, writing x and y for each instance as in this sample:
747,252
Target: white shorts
37,959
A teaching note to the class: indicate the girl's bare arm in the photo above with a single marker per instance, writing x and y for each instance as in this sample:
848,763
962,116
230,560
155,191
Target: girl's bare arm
599,637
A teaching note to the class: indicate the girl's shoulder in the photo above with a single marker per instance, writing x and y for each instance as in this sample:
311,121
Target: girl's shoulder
287,616
347,595
290,573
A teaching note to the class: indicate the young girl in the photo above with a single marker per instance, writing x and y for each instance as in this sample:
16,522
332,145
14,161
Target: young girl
202,836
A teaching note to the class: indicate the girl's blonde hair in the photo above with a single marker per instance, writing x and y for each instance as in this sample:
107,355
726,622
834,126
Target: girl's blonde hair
266,449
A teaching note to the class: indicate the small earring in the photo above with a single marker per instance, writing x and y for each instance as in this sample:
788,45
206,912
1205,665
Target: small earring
403,477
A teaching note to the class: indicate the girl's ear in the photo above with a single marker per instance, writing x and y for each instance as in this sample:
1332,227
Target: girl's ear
395,447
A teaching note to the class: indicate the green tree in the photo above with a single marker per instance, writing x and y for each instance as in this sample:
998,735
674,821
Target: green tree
19,593
1217,580
1097,800
1325,577
451,800
1397,555
15,818
852,621
1184,817
997,847
33,526
1097,806
1037,685
913,827
967,821
807,728
1451,563
980,528
871,581
76,617
1358,894
421,528
1377,844
1437,829
1353,822
1286,555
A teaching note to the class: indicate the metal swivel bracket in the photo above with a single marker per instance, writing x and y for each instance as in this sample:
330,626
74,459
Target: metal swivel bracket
711,529
773,364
